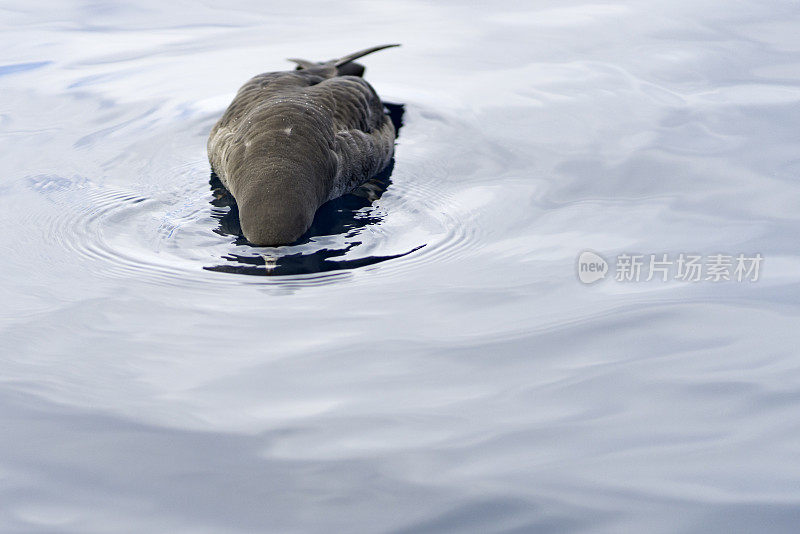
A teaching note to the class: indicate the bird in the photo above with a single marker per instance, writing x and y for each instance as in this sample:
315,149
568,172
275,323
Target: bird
292,140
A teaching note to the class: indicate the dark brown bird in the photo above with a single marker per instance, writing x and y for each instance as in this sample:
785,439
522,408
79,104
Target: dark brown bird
292,140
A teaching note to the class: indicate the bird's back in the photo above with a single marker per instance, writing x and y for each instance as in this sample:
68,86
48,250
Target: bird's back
305,114
292,140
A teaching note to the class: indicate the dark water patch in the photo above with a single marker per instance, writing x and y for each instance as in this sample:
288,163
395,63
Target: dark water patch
294,264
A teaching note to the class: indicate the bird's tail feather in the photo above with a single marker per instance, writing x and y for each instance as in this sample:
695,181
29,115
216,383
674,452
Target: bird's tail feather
355,55
342,66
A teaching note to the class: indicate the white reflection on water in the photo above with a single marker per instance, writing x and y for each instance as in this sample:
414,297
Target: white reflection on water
473,385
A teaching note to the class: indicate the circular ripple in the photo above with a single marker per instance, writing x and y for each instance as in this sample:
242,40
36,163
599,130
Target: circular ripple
187,232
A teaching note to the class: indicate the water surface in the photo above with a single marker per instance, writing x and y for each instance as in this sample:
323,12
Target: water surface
426,360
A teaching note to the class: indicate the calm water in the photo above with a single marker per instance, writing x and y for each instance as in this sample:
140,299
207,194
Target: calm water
426,360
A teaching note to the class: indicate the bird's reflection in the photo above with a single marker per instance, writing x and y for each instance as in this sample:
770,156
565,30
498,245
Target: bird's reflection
341,216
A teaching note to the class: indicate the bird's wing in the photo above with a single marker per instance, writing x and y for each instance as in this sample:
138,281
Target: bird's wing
364,134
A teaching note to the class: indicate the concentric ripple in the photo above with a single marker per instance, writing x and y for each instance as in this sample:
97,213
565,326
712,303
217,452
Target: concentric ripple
186,232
